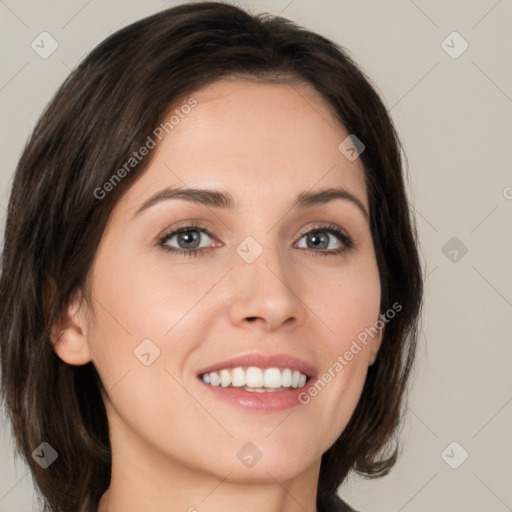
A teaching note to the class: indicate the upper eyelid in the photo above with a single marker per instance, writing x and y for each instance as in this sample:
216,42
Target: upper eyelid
169,233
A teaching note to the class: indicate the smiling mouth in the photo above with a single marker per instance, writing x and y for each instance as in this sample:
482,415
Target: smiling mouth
256,379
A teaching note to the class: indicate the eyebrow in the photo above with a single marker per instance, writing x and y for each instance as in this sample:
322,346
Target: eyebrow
220,199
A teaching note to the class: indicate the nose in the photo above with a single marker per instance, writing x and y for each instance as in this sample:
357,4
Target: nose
266,294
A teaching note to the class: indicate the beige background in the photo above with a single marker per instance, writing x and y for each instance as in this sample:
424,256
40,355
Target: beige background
455,118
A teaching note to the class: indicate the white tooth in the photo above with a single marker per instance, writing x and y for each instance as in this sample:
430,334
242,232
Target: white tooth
257,379
286,378
256,390
215,378
272,378
254,377
238,377
225,378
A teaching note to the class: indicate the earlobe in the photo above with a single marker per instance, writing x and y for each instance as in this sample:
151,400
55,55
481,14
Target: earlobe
375,347
69,335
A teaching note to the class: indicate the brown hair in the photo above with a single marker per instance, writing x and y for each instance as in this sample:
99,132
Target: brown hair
105,111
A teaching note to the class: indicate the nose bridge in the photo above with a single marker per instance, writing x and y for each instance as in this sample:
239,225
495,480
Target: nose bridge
264,287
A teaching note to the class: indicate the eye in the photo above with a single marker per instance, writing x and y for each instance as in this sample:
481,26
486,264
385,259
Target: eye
320,240
188,239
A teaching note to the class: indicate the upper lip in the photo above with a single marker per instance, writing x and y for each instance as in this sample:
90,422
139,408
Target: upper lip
263,361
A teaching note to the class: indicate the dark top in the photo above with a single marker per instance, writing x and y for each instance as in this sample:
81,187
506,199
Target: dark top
334,504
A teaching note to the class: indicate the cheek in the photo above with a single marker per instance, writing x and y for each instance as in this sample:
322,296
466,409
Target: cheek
348,301
350,310
137,300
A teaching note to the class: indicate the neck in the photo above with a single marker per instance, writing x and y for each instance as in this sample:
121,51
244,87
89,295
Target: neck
143,478
133,491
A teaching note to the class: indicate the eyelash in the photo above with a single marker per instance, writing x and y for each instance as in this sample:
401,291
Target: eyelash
330,228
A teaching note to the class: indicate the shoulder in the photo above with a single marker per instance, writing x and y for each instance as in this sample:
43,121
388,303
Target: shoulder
334,503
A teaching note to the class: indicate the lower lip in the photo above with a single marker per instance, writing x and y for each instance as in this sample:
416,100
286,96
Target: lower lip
268,401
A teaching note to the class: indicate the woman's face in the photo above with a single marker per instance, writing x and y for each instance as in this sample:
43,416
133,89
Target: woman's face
271,277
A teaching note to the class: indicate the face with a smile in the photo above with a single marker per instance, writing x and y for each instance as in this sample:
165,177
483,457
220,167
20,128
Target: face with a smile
279,271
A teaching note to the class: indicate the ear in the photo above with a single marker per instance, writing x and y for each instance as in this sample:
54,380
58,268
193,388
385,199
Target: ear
375,346
69,333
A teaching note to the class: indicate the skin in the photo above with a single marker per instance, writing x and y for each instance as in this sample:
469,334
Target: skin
174,444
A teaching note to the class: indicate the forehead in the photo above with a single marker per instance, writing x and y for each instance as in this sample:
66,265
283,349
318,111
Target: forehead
261,142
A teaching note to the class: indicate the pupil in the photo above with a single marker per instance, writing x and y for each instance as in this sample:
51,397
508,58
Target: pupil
318,237
187,237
